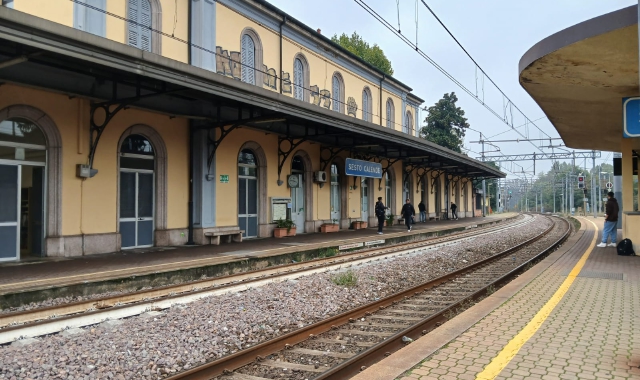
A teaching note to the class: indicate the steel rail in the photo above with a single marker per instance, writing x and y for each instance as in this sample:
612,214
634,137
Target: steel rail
375,353
227,364
39,316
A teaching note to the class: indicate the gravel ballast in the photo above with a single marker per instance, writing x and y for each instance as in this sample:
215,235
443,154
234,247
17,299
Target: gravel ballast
184,336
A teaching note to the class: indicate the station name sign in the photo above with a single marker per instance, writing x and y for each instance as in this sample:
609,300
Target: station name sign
631,117
359,168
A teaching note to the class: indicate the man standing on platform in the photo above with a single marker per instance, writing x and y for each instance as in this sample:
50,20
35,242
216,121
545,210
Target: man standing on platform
610,222
408,211
380,213
423,212
454,211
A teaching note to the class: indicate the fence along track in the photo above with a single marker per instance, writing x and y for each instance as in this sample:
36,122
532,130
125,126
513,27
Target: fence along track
410,316
160,298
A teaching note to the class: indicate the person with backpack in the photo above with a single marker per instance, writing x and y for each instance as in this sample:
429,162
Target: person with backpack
423,212
380,211
407,212
610,222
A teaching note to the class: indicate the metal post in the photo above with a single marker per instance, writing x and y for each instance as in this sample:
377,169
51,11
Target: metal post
617,183
484,184
593,184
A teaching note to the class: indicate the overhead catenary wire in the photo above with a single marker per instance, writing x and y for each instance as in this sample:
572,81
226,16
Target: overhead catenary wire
385,23
477,65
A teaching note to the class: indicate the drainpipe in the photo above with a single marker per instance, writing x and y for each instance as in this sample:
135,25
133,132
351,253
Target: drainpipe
381,80
284,21
191,129
189,53
190,204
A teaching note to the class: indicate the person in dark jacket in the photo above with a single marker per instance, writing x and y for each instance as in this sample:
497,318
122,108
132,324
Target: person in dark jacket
610,222
454,211
408,211
380,213
423,212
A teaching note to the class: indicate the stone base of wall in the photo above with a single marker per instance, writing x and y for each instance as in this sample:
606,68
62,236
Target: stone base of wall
172,237
81,245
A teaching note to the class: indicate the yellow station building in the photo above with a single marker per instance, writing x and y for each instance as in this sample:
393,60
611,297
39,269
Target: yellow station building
136,123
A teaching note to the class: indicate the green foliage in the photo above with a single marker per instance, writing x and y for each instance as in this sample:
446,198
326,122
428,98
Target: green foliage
347,278
285,223
389,220
327,252
544,186
445,124
370,54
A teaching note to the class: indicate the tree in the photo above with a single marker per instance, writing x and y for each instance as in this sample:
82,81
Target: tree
370,54
445,123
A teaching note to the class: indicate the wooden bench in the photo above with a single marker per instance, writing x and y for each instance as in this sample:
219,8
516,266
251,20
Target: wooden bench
230,234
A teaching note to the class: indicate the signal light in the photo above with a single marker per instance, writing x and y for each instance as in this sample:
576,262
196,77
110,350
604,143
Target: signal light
580,182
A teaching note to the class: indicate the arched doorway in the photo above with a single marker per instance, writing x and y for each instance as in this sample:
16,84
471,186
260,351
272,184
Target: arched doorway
364,199
336,200
248,193
388,200
406,187
298,194
435,189
137,192
23,162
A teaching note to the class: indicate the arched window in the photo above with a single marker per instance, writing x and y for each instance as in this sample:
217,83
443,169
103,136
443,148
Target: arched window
139,27
367,106
408,123
391,112
298,79
337,93
248,57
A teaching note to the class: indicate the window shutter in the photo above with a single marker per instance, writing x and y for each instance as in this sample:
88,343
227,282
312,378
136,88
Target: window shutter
248,57
298,79
336,94
388,114
133,34
145,27
365,106
96,20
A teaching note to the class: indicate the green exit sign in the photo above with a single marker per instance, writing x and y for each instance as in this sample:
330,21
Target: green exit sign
224,178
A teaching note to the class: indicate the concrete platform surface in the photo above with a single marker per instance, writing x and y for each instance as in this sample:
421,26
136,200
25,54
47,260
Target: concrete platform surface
39,273
575,315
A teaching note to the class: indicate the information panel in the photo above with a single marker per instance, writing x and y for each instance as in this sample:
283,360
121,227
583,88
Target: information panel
631,117
359,168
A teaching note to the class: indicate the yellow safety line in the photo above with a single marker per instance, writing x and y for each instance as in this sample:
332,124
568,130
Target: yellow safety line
493,369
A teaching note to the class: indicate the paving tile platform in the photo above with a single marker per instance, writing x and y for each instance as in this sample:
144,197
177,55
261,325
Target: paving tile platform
592,333
47,273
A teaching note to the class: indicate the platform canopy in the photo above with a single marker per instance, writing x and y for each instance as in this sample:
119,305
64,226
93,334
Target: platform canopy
50,56
580,75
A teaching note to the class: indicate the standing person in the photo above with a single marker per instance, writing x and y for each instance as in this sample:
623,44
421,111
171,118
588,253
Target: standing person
408,211
423,212
610,222
380,213
454,211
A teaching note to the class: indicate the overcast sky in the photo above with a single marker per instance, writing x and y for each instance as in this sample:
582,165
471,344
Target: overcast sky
495,32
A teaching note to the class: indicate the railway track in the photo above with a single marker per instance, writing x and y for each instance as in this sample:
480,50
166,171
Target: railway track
341,346
53,319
